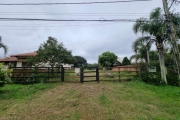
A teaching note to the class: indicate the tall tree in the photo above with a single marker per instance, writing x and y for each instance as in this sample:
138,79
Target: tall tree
2,45
155,27
107,59
80,61
52,53
173,34
33,61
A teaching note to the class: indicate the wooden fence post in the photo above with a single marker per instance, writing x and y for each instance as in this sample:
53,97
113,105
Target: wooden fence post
35,73
48,73
138,69
119,74
62,74
24,79
81,75
97,74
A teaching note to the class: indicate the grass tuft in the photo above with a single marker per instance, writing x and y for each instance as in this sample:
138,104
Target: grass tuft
104,100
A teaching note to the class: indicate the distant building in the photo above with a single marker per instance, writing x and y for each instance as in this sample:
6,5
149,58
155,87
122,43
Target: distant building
18,60
119,61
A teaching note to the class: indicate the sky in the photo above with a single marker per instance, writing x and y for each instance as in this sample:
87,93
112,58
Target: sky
86,39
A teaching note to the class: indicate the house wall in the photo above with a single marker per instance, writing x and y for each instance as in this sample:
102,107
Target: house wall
19,64
67,65
47,65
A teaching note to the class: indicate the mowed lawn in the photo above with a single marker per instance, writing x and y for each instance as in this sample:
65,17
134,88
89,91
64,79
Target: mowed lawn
90,101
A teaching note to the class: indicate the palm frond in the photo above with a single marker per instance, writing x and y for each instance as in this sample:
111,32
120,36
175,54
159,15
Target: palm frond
4,47
143,39
139,43
137,27
136,57
156,13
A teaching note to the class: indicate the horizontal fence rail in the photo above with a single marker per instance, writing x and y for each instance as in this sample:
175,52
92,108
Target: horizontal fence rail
72,74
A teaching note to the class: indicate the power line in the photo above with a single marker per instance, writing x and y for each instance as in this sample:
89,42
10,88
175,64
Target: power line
52,13
77,3
19,26
78,14
70,20
52,27
72,13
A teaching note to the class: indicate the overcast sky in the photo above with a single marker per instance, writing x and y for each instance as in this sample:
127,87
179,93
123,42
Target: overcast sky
86,39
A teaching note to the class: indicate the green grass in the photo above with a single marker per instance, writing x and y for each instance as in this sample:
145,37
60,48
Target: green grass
104,101
15,91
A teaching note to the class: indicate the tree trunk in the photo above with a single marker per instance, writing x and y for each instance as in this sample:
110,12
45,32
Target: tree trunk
148,60
160,48
162,66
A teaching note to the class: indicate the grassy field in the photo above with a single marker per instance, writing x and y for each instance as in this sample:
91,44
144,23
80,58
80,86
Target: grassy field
90,101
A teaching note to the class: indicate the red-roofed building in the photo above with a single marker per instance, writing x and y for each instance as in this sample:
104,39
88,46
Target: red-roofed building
17,60
25,55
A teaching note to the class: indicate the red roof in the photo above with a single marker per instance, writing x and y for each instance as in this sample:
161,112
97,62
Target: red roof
25,54
8,59
15,57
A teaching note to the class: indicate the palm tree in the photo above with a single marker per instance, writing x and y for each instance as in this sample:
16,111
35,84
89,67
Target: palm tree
141,47
155,27
2,45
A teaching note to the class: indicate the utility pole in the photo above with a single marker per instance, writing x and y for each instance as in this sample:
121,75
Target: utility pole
172,36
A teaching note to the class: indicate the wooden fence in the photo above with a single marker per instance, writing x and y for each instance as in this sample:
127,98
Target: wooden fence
28,75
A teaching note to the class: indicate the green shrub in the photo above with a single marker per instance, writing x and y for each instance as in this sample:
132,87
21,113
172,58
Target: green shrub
151,78
2,83
155,78
172,79
33,78
4,73
36,76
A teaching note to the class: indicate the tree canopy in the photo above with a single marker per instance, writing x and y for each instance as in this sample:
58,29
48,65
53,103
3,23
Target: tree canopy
155,27
140,47
53,53
107,59
80,61
156,30
126,61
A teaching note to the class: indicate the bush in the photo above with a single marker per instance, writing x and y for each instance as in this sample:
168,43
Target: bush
172,79
151,78
33,78
29,78
35,75
4,73
2,83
